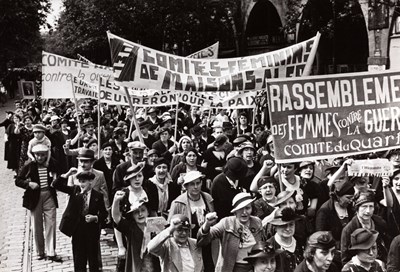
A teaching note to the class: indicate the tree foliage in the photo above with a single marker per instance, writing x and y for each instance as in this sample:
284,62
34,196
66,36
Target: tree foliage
20,21
184,26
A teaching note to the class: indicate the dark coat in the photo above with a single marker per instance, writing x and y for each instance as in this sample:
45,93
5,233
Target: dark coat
302,267
101,165
328,220
73,212
162,149
393,261
30,173
174,191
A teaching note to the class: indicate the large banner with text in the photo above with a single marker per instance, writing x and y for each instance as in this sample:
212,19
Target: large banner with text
143,67
336,115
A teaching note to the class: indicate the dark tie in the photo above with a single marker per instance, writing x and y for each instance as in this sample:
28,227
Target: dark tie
85,206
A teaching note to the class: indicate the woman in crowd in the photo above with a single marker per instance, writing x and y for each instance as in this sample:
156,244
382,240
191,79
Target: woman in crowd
364,202
189,163
25,132
14,143
263,257
264,206
284,223
237,233
132,225
336,213
365,250
183,145
214,158
309,187
164,146
176,250
319,254
195,204
161,189
247,152
107,164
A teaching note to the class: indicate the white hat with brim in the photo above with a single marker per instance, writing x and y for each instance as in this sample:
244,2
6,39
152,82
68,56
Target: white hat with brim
192,176
40,148
241,200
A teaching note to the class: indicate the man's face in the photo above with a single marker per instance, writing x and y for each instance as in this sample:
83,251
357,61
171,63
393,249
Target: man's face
86,165
85,185
41,157
136,154
90,129
218,131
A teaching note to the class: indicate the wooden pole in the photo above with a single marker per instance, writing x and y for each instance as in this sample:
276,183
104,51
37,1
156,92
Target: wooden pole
176,122
98,121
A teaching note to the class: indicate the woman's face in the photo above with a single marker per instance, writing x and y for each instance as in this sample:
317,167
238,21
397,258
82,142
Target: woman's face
191,158
161,171
194,188
152,158
107,152
396,182
268,192
164,136
93,147
323,258
186,143
290,203
140,215
366,210
307,172
243,214
248,153
16,119
287,230
265,265
345,200
137,181
28,122
368,255
287,170
243,120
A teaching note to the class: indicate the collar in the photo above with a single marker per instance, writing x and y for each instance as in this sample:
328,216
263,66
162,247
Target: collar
356,261
231,182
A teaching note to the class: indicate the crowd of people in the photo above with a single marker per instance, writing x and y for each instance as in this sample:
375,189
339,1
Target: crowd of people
211,176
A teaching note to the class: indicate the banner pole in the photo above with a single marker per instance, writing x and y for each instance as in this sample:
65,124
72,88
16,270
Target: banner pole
76,108
131,127
98,121
237,122
133,115
254,120
176,122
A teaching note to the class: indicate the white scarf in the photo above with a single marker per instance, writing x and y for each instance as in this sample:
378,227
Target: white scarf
162,189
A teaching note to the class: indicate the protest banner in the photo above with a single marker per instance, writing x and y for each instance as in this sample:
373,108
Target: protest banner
148,98
142,67
374,167
234,100
57,72
335,115
210,52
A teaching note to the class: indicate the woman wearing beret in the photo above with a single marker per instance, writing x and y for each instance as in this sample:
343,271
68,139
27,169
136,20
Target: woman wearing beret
237,234
285,225
263,257
365,250
319,254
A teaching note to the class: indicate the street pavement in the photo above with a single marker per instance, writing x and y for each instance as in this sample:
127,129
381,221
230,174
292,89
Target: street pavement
17,253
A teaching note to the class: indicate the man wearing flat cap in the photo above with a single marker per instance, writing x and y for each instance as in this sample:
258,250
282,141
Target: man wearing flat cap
82,218
41,199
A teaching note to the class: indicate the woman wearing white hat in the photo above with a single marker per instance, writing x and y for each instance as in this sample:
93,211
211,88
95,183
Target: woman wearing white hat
237,233
195,204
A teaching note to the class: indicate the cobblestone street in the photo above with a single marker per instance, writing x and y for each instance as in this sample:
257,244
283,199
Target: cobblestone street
16,254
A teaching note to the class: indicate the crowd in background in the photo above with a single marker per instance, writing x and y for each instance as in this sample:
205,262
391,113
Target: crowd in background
211,175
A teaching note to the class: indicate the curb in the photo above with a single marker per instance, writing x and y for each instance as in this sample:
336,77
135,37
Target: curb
27,257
